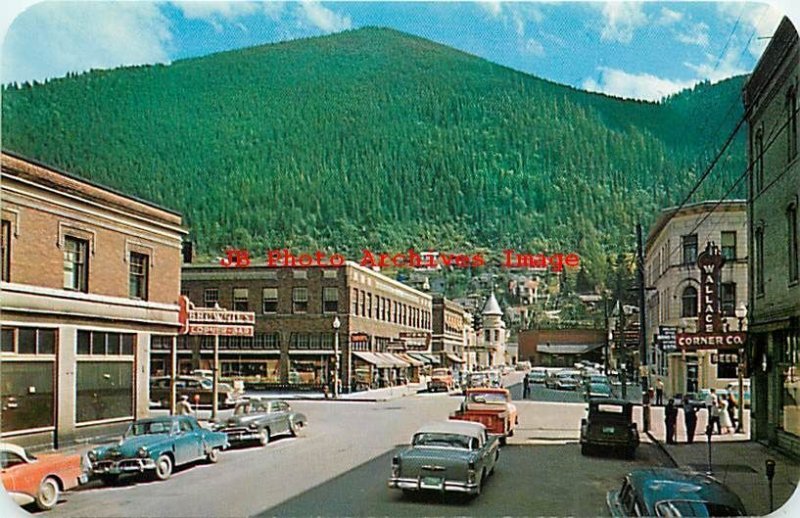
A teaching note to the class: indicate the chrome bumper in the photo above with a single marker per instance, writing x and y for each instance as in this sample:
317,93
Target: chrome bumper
416,484
111,467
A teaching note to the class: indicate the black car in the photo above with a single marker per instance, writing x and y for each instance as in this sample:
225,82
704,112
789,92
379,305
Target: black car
673,492
609,425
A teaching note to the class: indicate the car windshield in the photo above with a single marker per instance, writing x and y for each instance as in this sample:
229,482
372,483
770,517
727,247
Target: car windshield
149,427
206,384
694,508
445,440
489,398
600,388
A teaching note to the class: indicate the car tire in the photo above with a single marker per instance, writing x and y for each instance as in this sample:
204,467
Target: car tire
212,457
163,467
296,429
263,437
109,480
47,494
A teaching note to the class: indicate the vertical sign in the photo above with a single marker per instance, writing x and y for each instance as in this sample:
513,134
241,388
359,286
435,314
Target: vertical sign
710,263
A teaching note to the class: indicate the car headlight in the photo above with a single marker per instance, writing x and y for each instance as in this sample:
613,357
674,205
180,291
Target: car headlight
143,453
86,463
253,426
395,467
91,456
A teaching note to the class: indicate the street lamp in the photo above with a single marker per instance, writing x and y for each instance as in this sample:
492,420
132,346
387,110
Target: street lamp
336,325
741,314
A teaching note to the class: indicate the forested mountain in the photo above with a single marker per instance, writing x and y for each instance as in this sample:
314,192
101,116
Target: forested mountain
376,138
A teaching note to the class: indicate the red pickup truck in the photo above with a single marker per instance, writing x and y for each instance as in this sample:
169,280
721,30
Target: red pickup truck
492,407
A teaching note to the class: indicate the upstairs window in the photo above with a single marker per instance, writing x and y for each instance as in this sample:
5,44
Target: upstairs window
689,244
727,298
729,246
299,300
330,300
689,302
76,268
240,299
5,251
210,297
759,273
794,251
138,276
269,300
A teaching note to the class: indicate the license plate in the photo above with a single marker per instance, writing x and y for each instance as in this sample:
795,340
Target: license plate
83,479
608,429
432,483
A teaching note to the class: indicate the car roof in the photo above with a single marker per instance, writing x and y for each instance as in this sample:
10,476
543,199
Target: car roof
659,484
457,427
610,401
484,390
13,448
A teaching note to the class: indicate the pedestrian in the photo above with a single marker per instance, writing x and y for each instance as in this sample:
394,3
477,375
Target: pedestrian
670,419
713,418
526,387
724,417
732,410
659,392
690,420
711,400
184,407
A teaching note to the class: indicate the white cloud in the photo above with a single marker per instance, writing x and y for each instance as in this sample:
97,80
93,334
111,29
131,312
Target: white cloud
760,20
669,17
648,87
50,39
323,18
533,47
695,34
494,8
212,10
621,20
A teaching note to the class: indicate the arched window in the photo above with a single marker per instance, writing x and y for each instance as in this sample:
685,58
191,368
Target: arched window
689,298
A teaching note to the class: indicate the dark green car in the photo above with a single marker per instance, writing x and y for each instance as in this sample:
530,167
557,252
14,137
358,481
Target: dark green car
156,446
673,492
608,425
454,456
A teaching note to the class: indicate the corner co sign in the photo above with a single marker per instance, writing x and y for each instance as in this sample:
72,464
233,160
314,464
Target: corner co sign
214,321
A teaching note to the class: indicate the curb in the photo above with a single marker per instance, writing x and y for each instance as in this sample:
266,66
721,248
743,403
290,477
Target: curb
663,449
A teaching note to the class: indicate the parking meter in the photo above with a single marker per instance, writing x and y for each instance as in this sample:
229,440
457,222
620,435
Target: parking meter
770,469
709,432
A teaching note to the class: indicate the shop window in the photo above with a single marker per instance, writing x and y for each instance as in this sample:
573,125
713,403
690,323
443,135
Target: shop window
269,300
5,251
299,300
727,298
689,302
138,276
98,343
104,390
267,341
330,300
76,267
729,246
28,340
210,297
727,369
789,403
689,244
240,299
27,394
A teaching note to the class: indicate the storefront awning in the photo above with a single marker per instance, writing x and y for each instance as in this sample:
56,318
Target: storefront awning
394,360
567,348
374,359
453,358
421,357
434,360
410,359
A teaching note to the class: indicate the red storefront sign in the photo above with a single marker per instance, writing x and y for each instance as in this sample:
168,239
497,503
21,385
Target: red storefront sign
710,263
214,321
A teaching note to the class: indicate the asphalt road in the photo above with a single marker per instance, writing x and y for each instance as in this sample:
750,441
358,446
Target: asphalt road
528,481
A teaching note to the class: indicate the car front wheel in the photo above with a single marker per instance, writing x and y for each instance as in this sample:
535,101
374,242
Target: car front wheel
213,456
47,495
109,480
163,467
263,437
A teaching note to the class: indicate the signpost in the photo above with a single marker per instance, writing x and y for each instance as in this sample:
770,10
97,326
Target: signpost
214,322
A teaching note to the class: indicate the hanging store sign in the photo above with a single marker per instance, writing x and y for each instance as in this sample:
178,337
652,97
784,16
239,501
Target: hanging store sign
696,341
214,321
710,263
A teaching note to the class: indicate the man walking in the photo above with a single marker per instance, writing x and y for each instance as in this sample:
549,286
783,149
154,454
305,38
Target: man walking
670,419
526,387
690,420
659,392
713,418
184,407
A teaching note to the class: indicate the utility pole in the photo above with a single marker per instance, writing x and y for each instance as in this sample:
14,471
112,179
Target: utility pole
643,359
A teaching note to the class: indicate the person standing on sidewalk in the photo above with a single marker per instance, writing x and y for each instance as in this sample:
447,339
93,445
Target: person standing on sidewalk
732,409
724,417
713,418
526,387
690,420
184,407
659,392
670,419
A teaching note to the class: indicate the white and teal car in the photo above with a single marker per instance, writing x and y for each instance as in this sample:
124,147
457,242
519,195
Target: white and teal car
156,446
454,456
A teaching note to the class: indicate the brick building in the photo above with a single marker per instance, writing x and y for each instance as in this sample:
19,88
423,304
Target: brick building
560,347
89,275
385,333
770,97
449,340
673,245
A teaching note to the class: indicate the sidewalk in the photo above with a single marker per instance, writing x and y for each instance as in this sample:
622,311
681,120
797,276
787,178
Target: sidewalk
382,394
735,460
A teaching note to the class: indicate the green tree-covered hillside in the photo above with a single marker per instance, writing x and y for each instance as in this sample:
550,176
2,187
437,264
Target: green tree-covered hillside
376,138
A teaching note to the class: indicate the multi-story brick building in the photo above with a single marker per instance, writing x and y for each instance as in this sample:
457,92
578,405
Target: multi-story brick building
384,334
89,275
673,245
449,331
770,98
560,347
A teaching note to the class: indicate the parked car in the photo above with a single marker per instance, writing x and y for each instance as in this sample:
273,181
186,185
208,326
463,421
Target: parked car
258,420
441,379
523,366
495,378
598,378
492,407
447,456
156,446
537,376
673,492
609,424
563,380
199,390
40,479
598,390
477,379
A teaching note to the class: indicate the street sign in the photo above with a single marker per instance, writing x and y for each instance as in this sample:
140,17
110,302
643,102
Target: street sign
667,337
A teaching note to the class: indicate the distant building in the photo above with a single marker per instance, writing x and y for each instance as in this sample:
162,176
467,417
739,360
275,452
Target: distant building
560,347
493,335
673,244
770,98
449,332
90,278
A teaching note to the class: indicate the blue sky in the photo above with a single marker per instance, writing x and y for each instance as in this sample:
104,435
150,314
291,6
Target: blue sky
642,50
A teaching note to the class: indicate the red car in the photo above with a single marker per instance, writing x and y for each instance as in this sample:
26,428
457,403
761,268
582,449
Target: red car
40,480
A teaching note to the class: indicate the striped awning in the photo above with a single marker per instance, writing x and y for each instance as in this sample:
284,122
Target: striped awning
410,359
394,360
453,358
374,359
